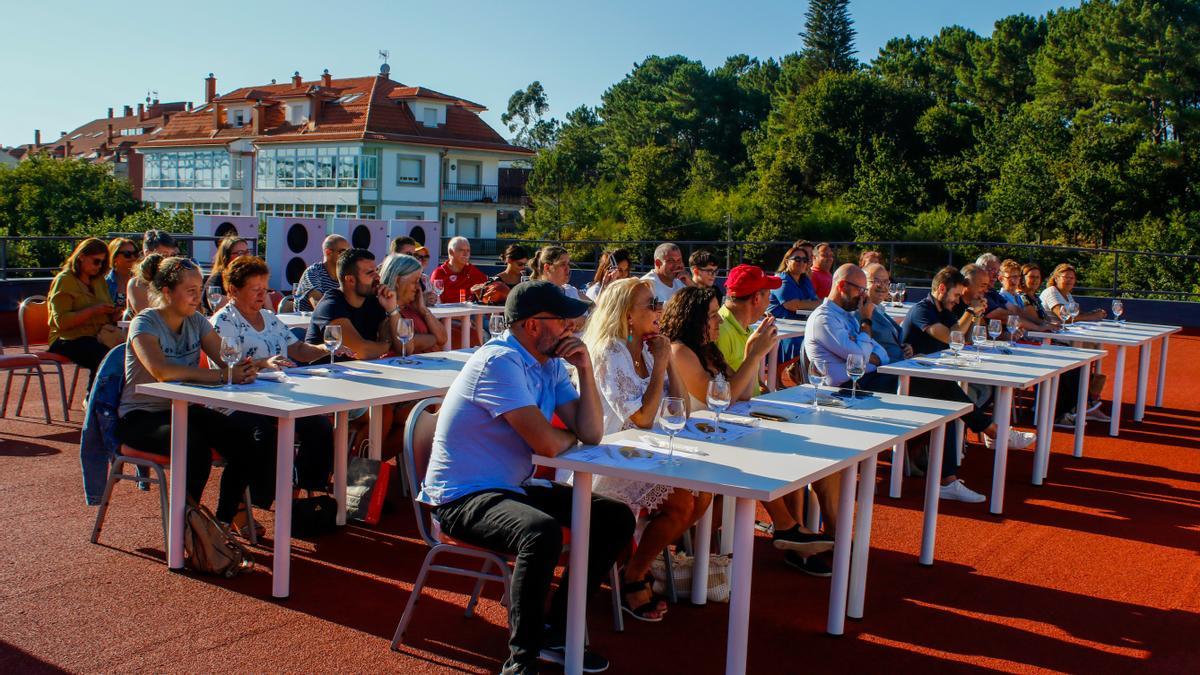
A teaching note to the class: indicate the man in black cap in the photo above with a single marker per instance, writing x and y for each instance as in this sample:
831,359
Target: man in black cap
480,478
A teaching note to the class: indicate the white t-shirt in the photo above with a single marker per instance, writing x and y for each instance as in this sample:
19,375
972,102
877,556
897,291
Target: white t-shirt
662,291
570,291
1052,297
272,340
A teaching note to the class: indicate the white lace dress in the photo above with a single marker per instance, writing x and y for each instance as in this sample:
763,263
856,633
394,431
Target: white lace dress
621,391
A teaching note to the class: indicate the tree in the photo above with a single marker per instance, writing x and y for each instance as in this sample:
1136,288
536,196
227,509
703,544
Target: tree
1000,75
524,117
829,36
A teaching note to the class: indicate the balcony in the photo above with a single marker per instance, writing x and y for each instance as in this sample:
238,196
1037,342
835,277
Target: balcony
474,193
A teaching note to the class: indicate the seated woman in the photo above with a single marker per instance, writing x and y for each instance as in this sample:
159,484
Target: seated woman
1015,299
230,249
495,290
165,341
1055,299
633,371
553,264
137,292
613,265
1031,285
796,294
270,345
80,308
122,254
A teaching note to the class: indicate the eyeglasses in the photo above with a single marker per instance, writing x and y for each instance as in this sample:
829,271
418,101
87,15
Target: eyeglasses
655,305
851,283
709,270
127,254
422,257
800,259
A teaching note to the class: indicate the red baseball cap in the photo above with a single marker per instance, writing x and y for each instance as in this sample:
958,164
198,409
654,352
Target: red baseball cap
746,280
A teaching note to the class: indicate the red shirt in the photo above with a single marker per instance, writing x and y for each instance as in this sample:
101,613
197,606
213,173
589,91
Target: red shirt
453,282
419,325
822,282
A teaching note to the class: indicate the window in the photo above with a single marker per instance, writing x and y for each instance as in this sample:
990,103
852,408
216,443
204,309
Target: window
467,225
409,215
297,113
206,169
203,208
316,210
349,98
430,116
323,167
410,170
237,118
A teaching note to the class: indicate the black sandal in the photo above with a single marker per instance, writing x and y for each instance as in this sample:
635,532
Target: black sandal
641,612
663,603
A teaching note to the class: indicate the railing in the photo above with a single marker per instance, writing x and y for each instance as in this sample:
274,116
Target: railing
472,193
50,251
912,262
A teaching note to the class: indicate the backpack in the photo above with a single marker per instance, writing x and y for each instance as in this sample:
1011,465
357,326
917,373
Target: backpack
208,546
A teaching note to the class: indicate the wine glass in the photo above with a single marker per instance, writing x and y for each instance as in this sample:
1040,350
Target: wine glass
215,297
404,333
332,337
979,336
1072,310
893,292
718,396
672,416
496,325
1014,327
816,377
957,342
231,353
901,289
524,274
993,330
1118,308
439,287
856,367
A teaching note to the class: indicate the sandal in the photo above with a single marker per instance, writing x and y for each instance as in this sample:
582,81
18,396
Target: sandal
663,603
241,525
642,612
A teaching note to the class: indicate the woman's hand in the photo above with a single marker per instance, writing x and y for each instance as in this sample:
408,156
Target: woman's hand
244,372
610,275
660,349
277,362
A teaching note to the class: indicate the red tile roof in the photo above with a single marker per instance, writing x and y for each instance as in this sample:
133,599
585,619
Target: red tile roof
92,137
380,112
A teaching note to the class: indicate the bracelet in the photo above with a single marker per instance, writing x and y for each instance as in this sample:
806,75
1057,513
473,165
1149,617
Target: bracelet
393,311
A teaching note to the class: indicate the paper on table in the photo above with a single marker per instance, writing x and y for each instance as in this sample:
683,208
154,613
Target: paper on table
272,376
704,429
633,453
660,444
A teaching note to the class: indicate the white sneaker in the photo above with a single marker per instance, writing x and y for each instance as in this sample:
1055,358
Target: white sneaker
959,492
1098,415
1017,440
1095,405
1067,421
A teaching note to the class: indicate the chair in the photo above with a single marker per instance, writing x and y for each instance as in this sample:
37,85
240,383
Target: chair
286,304
33,317
273,299
26,366
418,444
156,467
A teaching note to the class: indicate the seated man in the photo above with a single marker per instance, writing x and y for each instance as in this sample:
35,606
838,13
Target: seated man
480,478
363,308
834,332
927,329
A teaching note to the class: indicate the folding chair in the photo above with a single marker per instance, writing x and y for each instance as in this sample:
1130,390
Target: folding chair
33,317
26,366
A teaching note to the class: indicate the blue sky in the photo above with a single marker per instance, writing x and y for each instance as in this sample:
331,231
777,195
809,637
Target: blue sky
67,62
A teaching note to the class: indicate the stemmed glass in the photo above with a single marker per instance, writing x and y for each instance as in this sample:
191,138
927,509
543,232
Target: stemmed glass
496,325
1014,327
672,416
1072,310
215,296
404,333
524,274
856,367
332,337
957,342
718,396
993,330
816,377
231,353
901,288
979,335
1118,308
439,287
893,293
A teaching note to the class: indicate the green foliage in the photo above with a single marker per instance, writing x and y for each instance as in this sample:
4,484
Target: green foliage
829,36
524,117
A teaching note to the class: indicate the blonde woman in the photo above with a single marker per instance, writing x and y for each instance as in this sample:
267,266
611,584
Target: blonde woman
633,372
1058,294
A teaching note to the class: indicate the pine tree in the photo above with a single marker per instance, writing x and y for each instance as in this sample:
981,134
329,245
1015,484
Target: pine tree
829,36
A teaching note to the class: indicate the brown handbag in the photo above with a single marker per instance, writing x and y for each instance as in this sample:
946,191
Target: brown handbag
492,292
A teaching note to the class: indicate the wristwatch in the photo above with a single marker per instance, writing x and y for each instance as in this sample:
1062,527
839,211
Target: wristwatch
393,311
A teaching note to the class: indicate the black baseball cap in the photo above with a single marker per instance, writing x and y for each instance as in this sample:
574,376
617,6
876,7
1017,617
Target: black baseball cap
535,297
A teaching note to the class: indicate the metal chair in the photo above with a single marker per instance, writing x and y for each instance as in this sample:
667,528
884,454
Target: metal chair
286,304
26,366
33,318
418,444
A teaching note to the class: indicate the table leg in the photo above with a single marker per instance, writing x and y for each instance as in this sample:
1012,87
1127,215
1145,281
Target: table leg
178,492
739,598
581,515
728,505
896,477
1114,427
1162,372
862,538
479,325
933,492
700,546
1044,413
1003,410
465,329
1139,404
375,432
841,553
284,443
1081,399
341,438
1043,465
449,326
772,368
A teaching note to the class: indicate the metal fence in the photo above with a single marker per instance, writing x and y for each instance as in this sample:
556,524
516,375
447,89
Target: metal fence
50,251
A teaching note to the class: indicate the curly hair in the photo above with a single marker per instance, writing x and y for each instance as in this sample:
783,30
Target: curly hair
242,269
685,320
162,274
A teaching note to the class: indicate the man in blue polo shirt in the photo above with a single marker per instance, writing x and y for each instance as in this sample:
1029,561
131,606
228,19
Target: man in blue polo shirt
480,477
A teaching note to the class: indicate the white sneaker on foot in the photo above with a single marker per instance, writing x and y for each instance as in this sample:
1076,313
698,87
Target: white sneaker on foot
959,492
1017,440
1098,415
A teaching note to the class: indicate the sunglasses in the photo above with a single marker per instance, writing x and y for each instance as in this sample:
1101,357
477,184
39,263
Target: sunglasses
422,257
127,254
800,259
655,305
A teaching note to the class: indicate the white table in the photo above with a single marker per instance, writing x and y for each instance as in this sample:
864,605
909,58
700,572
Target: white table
897,312
447,311
775,460
1024,367
295,320
1122,336
381,384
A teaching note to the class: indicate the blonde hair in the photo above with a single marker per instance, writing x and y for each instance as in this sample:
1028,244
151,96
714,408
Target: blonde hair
610,316
1056,275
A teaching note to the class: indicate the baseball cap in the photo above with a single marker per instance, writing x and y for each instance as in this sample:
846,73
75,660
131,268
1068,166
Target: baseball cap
535,297
746,280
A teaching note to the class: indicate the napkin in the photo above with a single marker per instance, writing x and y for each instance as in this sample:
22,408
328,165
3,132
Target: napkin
660,444
272,376
705,429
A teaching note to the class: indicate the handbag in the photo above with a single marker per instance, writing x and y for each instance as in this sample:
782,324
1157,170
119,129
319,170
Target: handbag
682,570
366,487
314,516
208,546
492,292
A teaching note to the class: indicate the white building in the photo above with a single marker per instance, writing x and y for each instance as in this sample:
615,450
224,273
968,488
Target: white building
365,147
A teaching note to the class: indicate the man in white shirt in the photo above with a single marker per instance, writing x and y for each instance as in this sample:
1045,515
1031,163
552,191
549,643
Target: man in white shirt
669,274
834,331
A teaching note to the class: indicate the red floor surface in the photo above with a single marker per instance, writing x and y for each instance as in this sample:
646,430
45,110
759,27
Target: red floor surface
1096,571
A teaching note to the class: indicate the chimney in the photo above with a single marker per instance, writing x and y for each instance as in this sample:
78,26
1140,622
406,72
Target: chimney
141,111
210,88
67,149
216,116
128,111
109,130
37,138
326,78
258,113
296,81
110,113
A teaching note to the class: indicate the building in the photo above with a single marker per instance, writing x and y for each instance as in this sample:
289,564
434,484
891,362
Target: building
361,147
10,157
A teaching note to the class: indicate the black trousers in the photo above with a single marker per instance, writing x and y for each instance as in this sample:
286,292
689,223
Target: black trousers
1068,389
245,457
976,420
314,454
85,352
530,526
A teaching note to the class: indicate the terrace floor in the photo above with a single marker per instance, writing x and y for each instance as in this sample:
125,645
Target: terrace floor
1097,571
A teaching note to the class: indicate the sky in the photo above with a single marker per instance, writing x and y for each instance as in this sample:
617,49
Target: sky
67,61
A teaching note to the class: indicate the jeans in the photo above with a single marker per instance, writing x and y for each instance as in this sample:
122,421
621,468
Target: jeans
976,420
246,459
529,527
85,352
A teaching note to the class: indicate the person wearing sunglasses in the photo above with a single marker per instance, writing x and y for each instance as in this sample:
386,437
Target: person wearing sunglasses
123,254
794,295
